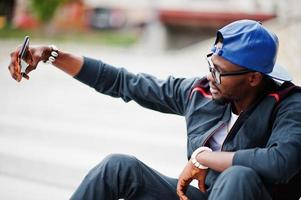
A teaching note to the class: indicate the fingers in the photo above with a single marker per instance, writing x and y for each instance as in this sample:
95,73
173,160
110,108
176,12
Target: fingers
182,187
25,76
14,67
202,186
201,177
185,178
30,58
29,69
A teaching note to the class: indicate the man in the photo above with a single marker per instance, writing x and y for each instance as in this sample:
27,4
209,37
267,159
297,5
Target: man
243,127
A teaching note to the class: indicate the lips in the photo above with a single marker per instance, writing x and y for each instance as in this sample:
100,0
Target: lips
213,89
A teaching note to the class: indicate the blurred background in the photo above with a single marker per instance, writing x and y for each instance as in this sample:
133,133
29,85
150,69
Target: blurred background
53,129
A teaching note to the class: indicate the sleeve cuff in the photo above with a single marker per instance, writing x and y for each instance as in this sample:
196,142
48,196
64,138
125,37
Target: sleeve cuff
243,157
89,72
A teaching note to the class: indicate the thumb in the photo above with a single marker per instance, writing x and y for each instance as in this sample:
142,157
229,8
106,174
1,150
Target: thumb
202,186
29,68
32,58
25,76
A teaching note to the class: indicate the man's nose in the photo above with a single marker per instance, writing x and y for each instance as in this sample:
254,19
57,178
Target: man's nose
210,77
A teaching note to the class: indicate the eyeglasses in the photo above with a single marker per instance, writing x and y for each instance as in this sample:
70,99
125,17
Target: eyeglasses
217,74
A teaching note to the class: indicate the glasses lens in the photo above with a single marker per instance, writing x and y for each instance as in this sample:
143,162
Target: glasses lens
215,74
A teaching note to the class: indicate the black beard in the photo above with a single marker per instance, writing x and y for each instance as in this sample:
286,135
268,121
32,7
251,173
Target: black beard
221,101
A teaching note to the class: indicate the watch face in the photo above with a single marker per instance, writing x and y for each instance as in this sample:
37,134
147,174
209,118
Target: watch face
194,155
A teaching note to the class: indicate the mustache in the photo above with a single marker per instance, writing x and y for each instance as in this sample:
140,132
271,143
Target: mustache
211,85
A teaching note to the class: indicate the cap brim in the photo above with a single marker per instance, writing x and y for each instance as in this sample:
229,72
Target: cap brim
280,73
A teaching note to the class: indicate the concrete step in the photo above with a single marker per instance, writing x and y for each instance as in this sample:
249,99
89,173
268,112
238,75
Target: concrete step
15,188
57,154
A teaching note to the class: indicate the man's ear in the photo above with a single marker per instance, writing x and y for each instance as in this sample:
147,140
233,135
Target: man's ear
255,78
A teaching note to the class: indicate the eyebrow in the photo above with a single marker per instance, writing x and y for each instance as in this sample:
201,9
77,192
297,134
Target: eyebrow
217,66
220,69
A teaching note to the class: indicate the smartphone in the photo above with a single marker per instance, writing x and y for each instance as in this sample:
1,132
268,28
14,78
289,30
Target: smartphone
22,54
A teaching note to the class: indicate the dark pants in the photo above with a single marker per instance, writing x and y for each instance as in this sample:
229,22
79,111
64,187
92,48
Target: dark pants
125,177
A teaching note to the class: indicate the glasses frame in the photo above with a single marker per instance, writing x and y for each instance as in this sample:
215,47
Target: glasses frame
217,74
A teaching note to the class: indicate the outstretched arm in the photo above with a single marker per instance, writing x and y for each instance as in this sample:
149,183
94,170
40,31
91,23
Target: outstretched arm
169,96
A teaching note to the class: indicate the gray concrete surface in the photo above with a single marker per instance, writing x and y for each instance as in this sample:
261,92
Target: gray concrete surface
53,129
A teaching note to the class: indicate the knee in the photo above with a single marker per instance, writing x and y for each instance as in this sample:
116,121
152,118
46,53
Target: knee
240,171
114,164
240,174
121,160
115,173
238,182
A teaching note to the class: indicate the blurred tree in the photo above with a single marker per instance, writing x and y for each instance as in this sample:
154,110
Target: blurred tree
45,10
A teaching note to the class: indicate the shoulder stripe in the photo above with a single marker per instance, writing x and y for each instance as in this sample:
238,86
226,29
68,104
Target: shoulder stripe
202,91
276,96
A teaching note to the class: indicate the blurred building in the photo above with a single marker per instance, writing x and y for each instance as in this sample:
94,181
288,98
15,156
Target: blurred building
6,12
177,22
190,13
103,14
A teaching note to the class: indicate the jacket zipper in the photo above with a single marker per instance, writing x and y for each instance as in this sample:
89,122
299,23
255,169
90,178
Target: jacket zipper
212,133
231,130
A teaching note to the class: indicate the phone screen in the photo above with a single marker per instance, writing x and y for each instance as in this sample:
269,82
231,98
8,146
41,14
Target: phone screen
22,54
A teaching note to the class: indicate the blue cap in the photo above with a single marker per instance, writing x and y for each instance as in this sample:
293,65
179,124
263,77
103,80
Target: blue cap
249,44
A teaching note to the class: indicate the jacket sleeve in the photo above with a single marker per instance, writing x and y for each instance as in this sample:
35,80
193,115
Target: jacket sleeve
169,96
281,159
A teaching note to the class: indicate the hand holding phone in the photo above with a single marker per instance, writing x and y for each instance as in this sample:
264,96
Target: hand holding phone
22,55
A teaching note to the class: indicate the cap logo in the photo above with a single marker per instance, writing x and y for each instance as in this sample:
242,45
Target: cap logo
218,49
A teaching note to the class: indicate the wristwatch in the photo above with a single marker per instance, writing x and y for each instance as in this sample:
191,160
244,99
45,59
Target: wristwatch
194,155
54,53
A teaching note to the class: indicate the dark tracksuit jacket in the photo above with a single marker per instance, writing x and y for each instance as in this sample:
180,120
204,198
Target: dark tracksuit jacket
274,152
